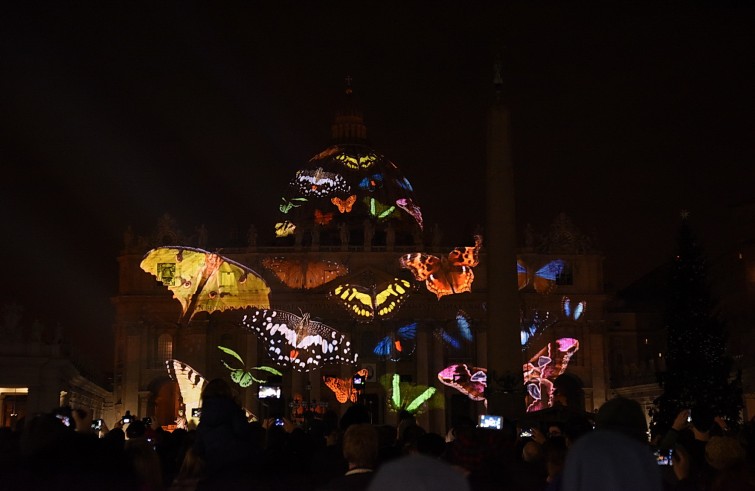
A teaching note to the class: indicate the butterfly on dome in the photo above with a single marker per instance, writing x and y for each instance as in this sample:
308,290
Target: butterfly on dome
379,210
469,380
367,303
328,152
406,396
319,183
344,205
399,344
544,279
458,334
446,275
345,389
203,281
531,327
190,385
541,371
243,376
573,312
323,218
371,183
408,206
299,342
304,273
284,229
356,161
288,204
403,183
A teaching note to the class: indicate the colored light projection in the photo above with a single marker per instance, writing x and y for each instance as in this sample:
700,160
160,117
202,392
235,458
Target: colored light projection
533,326
469,380
399,344
344,389
446,275
299,342
303,273
542,370
243,376
412,398
346,179
573,312
366,303
543,280
458,334
205,282
190,385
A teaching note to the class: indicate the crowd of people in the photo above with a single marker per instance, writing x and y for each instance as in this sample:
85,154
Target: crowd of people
610,451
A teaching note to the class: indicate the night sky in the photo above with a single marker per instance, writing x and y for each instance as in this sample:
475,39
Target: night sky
115,115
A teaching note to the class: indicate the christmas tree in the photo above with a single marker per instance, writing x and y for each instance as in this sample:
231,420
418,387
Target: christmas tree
698,368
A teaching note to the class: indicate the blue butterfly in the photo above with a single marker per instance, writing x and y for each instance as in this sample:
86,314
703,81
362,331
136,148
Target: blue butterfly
575,314
533,327
398,345
404,183
371,183
460,333
544,279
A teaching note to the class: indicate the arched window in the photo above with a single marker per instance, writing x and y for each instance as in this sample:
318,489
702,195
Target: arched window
164,348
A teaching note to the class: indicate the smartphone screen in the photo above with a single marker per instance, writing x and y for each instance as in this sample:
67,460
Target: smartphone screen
664,458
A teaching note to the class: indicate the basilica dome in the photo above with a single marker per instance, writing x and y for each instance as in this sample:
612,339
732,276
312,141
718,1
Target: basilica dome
349,192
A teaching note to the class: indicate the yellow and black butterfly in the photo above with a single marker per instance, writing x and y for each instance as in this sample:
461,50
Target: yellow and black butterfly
367,303
284,228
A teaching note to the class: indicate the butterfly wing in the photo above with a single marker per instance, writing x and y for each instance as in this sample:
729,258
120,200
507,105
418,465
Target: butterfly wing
319,183
205,282
344,205
284,228
522,276
576,312
298,342
544,280
340,387
304,273
543,368
322,218
366,303
470,381
190,384
412,209
460,332
399,344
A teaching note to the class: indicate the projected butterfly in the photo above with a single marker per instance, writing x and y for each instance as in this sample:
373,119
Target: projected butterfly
543,280
283,229
344,389
470,381
299,342
371,183
344,205
574,313
543,368
355,160
398,345
460,333
288,204
532,327
326,153
445,275
408,206
190,385
322,218
410,397
403,183
367,303
243,376
380,210
319,183
205,282
303,273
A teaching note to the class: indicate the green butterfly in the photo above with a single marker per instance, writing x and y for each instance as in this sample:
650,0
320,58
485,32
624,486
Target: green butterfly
397,403
379,210
242,376
286,206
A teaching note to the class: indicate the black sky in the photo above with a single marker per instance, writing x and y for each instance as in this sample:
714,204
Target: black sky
115,114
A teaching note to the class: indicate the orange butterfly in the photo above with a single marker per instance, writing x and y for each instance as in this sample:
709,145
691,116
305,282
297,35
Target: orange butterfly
445,275
344,389
344,205
323,218
304,273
